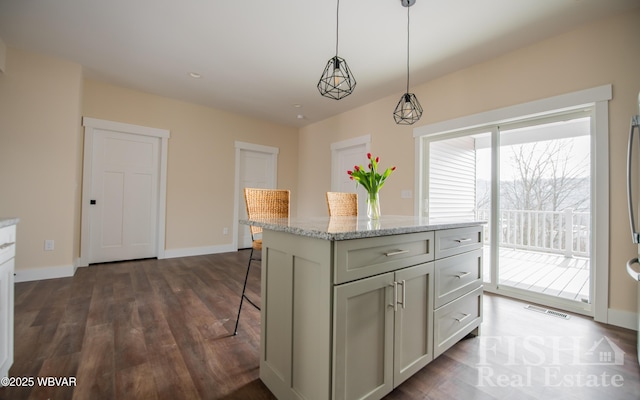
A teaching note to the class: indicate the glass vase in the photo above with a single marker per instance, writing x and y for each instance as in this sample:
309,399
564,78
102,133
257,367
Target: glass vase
373,205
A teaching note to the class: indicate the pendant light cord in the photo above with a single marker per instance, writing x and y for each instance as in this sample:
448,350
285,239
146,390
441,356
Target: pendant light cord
337,24
408,7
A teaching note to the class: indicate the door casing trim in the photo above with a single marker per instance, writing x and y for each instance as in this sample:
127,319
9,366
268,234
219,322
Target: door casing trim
239,147
90,126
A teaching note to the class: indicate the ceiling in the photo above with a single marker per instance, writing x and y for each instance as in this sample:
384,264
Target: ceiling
264,58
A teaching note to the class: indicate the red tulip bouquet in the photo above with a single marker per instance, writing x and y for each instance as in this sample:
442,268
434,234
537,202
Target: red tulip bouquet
372,181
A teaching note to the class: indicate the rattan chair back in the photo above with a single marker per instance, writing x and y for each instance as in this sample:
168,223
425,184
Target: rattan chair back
342,204
266,204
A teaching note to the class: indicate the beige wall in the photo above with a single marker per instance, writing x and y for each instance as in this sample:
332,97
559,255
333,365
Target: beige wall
39,152
42,101
201,159
606,52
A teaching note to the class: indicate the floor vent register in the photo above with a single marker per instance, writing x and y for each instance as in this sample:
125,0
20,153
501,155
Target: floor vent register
547,311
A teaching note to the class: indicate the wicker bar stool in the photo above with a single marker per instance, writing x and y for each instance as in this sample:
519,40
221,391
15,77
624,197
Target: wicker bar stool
342,204
261,204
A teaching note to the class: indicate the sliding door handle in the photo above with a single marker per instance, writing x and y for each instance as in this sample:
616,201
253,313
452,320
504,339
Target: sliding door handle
635,236
634,274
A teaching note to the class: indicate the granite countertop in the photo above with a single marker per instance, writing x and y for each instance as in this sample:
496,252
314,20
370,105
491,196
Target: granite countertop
8,221
345,228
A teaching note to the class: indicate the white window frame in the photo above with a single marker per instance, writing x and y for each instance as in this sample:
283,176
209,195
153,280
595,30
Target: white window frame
596,98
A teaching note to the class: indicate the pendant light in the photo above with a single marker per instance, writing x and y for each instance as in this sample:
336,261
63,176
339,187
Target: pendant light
408,109
336,81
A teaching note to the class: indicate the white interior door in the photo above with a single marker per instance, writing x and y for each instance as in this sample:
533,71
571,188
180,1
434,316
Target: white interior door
344,156
124,196
256,167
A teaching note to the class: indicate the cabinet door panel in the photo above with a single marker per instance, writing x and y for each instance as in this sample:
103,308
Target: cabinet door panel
413,321
6,316
363,338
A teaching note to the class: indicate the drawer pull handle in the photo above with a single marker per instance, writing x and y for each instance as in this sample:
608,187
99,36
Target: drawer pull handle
465,240
5,245
463,318
462,274
395,253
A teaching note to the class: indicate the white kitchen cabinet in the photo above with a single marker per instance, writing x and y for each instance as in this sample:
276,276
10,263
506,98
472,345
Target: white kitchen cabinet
7,266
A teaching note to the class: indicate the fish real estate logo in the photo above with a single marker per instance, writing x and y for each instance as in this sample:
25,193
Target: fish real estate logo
550,361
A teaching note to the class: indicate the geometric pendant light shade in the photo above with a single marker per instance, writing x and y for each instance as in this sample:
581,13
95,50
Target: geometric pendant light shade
408,110
337,81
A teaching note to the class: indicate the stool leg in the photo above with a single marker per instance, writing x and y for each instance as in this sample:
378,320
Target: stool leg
244,288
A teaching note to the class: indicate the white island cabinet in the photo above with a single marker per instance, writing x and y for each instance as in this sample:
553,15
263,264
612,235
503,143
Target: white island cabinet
7,254
351,308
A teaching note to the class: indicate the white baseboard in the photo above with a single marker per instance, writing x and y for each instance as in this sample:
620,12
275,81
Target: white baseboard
199,251
37,274
624,319
66,271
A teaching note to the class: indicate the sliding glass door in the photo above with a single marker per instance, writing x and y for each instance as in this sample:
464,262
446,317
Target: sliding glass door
531,181
545,206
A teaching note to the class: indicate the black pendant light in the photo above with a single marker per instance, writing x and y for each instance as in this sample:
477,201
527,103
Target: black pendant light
408,109
336,81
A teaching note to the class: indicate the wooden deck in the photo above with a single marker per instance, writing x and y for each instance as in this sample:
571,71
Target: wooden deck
551,274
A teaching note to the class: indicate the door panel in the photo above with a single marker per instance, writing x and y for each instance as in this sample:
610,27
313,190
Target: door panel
111,202
125,189
344,158
256,170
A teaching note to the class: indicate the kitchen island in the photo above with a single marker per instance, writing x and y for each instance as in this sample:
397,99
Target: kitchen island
352,307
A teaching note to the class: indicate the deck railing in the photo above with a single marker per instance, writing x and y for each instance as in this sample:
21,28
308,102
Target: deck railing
562,232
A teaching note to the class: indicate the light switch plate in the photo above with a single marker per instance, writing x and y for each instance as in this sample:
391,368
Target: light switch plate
49,245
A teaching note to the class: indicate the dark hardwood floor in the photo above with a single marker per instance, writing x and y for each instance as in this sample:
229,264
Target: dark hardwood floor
161,329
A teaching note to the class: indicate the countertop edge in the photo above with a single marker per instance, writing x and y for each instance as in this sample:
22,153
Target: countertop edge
8,222
313,232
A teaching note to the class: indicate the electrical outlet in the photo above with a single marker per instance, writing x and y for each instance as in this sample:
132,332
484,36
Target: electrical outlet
225,231
49,245
406,194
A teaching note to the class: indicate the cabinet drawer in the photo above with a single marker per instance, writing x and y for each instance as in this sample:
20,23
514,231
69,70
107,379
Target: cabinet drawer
455,241
455,320
457,275
7,243
360,258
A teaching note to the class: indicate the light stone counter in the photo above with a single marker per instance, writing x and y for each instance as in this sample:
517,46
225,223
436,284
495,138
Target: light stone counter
8,221
345,228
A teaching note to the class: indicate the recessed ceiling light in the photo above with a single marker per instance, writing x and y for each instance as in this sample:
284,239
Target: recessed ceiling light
297,105
300,116
195,75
